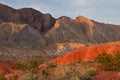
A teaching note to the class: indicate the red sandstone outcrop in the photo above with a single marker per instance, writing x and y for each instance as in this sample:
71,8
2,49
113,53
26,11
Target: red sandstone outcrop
88,53
6,67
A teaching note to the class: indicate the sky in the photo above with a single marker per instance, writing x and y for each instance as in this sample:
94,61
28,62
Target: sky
107,11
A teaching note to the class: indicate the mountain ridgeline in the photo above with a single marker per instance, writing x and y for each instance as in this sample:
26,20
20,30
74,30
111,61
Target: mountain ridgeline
30,28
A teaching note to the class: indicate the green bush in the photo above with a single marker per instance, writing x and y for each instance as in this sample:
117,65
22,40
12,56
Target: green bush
44,72
89,78
116,61
33,63
85,77
108,62
21,66
91,72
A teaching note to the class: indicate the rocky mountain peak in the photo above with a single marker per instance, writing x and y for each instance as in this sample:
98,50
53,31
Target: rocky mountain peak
84,20
36,19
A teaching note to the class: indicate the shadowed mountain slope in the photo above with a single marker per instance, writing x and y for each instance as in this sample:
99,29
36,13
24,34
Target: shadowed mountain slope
12,35
37,20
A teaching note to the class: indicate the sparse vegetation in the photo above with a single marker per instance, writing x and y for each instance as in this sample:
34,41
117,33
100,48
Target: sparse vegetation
91,72
74,78
21,66
88,78
108,62
2,76
50,64
75,71
44,72
14,77
32,64
79,61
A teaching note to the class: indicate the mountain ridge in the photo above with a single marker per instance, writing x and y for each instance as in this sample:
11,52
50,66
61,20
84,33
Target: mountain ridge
54,31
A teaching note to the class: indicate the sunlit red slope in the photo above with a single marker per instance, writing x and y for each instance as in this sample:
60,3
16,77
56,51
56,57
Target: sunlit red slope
88,53
6,67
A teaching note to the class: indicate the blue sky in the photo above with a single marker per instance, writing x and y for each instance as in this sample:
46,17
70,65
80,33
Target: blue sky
107,11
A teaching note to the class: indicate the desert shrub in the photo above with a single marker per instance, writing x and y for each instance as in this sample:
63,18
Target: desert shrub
116,60
86,77
91,72
14,77
50,65
2,76
73,63
61,72
29,76
44,72
79,61
108,62
105,61
21,66
74,78
34,70
33,63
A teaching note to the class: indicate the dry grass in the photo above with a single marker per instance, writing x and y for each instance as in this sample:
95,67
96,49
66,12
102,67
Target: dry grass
73,71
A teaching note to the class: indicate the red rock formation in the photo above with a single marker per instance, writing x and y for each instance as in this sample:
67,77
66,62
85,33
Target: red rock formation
107,75
88,53
6,67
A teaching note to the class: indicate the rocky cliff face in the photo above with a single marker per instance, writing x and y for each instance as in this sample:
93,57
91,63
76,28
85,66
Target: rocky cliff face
82,30
37,20
30,28
12,35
